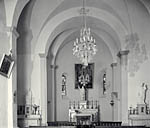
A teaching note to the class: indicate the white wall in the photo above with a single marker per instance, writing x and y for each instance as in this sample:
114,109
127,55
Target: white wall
140,20
65,62
4,48
3,102
35,20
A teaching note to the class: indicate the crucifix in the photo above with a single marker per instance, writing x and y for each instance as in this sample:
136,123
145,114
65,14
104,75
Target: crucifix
83,80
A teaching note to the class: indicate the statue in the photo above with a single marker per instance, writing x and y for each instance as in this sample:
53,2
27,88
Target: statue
82,92
104,83
64,77
83,80
143,94
35,109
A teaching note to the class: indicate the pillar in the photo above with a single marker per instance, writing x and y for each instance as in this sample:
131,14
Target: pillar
12,81
123,56
114,93
54,96
43,73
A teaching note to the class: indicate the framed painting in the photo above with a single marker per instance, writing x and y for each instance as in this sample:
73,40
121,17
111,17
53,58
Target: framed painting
6,65
84,75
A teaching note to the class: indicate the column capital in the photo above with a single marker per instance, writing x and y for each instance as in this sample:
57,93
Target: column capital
42,55
12,30
54,66
124,52
113,65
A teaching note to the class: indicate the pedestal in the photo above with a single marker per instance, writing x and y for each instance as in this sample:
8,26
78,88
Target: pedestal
83,115
26,121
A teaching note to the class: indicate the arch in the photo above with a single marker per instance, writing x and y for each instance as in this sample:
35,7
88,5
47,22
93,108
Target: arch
62,39
96,13
58,43
12,15
146,5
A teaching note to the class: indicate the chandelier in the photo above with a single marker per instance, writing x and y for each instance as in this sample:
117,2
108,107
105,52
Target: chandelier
84,47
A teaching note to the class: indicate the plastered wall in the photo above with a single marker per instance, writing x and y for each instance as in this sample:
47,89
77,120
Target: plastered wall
66,62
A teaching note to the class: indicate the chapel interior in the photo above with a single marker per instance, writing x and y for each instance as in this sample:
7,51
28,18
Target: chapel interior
74,63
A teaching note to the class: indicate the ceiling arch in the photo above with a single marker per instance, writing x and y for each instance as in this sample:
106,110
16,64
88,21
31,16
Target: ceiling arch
146,4
98,35
70,35
67,40
57,43
68,4
13,11
114,23
75,24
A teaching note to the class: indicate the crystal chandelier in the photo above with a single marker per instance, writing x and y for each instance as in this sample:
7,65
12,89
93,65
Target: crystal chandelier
84,47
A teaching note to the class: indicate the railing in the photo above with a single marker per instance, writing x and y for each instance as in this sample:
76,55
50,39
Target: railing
28,110
135,111
90,104
29,115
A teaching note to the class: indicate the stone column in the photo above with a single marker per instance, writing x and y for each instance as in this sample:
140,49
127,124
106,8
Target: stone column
114,93
12,81
43,73
54,98
123,55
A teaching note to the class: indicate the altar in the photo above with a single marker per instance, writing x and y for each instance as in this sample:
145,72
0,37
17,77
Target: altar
83,113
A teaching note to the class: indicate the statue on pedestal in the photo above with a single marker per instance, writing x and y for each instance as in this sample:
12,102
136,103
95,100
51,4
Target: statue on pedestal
64,79
143,93
83,80
82,93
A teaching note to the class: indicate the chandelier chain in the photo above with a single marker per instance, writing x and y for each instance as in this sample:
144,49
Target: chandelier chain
84,46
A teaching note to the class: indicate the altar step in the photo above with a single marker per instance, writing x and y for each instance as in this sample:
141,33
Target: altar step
86,126
66,123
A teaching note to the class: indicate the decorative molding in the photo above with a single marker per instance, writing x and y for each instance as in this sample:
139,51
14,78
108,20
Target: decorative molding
42,55
84,10
121,53
113,65
12,30
53,66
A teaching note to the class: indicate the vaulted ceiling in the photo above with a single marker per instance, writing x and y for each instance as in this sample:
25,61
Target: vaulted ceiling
110,21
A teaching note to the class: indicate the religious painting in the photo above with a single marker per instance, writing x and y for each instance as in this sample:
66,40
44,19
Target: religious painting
84,75
104,83
6,65
64,80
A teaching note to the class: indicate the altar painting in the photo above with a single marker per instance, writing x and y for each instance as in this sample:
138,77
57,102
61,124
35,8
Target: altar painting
84,75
